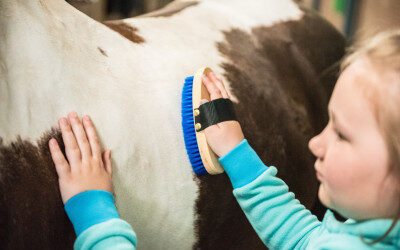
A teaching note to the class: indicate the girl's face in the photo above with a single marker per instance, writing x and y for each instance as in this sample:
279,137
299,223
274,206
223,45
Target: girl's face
352,159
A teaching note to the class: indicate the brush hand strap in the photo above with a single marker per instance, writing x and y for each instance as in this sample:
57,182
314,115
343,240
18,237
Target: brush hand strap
213,112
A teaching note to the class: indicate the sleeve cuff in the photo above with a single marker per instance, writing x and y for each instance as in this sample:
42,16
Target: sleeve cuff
242,164
90,208
112,234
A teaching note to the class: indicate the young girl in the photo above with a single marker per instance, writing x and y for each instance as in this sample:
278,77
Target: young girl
358,165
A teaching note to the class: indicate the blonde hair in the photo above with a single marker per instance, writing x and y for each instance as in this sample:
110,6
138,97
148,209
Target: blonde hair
383,52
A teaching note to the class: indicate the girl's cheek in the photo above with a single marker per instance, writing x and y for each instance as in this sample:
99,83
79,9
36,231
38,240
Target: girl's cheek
337,174
336,170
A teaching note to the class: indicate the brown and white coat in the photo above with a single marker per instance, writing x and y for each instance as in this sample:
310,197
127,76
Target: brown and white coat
276,59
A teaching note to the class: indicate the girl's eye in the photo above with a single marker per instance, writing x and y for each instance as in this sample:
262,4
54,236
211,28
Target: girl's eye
339,135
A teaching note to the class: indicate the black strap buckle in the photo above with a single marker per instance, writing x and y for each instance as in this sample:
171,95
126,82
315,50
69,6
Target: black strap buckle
213,112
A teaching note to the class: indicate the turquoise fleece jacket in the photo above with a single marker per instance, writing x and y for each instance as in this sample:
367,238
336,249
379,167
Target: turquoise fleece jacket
282,222
278,218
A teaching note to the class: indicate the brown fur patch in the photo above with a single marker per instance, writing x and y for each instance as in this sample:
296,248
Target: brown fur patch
102,51
126,30
277,75
32,214
171,9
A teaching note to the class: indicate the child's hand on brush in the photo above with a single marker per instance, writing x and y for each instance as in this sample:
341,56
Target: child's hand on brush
224,136
86,168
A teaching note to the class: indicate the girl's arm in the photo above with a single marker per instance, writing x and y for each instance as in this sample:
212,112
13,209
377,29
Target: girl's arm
85,181
278,218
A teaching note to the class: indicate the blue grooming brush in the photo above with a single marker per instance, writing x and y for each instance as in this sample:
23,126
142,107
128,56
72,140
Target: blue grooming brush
202,158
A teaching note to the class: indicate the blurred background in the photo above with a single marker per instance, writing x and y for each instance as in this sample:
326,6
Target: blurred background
102,10
356,19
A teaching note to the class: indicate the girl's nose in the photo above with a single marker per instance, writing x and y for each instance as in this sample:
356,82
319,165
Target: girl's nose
316,146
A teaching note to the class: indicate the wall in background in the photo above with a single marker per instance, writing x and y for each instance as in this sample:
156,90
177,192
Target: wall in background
379,15
367,17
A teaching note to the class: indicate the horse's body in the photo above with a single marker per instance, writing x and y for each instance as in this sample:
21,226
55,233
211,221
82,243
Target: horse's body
54,59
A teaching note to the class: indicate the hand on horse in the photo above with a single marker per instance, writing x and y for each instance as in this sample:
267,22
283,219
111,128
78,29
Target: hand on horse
224,136
86,168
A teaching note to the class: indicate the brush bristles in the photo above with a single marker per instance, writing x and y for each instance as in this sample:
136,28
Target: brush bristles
189,132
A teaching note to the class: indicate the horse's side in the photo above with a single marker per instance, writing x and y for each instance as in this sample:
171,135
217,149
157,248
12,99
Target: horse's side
274,59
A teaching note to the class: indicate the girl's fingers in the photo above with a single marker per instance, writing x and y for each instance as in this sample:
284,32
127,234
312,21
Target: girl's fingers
59,160
214,91
220,85
71,146
107,161
92,137
80,135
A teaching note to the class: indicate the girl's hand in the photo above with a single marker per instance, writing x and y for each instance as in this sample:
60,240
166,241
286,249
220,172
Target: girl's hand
85,169
224,136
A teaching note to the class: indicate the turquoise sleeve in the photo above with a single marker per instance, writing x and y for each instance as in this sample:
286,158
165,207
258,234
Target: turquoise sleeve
278,218
242,164
89,208
113,234
96,222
